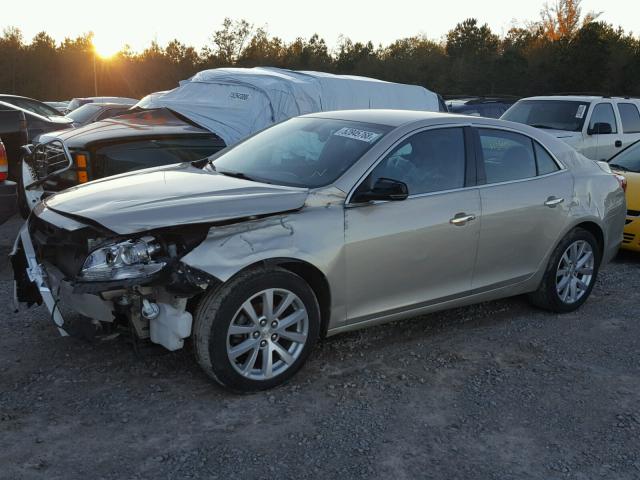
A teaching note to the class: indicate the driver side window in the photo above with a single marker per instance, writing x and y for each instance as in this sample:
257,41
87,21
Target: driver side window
429,161
603,113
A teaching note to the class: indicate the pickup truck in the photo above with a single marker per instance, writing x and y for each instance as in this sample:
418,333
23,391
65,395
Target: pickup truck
133,141
13,131
596,126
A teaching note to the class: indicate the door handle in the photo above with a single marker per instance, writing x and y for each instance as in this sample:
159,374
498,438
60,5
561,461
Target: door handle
553,201
618,143
461,219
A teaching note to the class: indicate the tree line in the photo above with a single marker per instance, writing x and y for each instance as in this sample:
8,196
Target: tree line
563,51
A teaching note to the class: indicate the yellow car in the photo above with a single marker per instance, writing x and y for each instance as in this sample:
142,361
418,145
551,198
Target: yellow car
627,164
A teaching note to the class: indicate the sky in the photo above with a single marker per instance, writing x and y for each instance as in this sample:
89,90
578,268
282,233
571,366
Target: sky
138,22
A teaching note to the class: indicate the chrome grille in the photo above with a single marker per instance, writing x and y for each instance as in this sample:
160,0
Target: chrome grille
49,158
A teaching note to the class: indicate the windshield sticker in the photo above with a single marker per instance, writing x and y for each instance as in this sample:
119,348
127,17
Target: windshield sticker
581,110
357,134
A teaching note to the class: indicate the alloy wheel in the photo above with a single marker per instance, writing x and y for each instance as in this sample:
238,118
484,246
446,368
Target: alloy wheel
575,271
267,334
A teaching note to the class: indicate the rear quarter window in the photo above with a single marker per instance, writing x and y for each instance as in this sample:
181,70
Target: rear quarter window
545,163
136,155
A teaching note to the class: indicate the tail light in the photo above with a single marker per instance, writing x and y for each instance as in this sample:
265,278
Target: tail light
4,163
621,180
81,167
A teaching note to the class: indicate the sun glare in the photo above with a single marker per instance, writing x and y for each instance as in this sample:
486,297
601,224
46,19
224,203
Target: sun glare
106,48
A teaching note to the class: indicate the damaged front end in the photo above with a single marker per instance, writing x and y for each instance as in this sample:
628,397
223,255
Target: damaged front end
138,281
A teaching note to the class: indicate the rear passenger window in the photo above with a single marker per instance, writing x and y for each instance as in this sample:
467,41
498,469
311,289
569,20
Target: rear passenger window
630,117
507,156
546,164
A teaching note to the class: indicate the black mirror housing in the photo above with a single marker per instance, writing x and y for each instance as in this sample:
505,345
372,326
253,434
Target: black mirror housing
383,189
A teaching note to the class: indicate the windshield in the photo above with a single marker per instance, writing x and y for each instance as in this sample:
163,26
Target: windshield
628,159
84,113
301,152
552,114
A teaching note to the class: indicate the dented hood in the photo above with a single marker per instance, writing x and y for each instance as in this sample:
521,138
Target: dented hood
175,195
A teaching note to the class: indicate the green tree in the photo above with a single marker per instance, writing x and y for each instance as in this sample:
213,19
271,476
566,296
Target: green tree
473,51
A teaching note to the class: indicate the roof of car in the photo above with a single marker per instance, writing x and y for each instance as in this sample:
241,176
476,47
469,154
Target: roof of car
392,118
107,104
480,100
577,98
8,95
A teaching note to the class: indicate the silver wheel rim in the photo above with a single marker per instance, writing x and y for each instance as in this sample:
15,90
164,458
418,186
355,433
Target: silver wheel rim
267,334
575,272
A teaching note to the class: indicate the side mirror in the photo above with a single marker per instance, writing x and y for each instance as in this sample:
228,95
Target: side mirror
384,189
601,128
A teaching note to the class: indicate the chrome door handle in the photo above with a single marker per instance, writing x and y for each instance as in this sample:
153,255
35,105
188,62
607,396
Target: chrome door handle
553,201
461,219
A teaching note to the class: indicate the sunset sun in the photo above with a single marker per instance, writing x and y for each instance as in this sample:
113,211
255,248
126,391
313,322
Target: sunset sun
106,47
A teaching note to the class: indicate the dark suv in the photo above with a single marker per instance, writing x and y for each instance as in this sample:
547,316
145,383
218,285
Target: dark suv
142,139
489,107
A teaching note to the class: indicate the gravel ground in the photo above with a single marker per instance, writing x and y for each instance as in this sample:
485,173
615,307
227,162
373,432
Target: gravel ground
494,391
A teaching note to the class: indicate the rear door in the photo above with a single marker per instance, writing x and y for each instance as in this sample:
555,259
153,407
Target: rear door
525,199
630,121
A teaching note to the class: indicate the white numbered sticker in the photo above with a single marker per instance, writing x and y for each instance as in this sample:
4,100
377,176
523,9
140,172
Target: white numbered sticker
357,134
581,110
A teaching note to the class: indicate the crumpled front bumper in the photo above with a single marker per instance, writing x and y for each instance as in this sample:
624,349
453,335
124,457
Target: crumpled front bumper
31,282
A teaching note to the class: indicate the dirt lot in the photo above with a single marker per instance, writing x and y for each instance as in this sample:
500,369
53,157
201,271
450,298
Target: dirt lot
498,390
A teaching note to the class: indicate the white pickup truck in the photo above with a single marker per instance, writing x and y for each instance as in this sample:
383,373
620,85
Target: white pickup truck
596,126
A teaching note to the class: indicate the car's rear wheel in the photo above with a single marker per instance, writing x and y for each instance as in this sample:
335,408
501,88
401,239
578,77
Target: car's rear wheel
256,331
571,273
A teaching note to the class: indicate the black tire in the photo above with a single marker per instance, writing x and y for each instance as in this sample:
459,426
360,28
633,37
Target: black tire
547,297
215,314
23,206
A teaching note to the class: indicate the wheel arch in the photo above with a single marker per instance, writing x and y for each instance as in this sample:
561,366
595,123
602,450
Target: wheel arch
594,229
311,274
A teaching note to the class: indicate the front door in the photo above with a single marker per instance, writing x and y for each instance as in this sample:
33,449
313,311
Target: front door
404,254
605,132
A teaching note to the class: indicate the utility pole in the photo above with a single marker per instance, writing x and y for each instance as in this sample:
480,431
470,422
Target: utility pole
95,74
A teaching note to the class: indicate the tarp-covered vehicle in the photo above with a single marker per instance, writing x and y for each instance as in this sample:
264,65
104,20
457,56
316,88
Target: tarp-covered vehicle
229,103
236,102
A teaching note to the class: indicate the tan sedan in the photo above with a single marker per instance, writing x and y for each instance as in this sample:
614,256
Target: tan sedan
322,224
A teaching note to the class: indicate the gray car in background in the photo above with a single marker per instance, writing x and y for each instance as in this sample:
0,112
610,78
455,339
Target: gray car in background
318,225
94,112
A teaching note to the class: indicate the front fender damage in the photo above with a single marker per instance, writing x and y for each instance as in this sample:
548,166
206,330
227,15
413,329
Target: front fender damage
227,247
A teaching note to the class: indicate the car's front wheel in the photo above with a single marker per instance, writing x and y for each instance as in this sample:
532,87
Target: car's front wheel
571,273
256,330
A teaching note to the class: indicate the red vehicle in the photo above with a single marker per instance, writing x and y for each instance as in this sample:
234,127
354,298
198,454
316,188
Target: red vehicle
13,131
